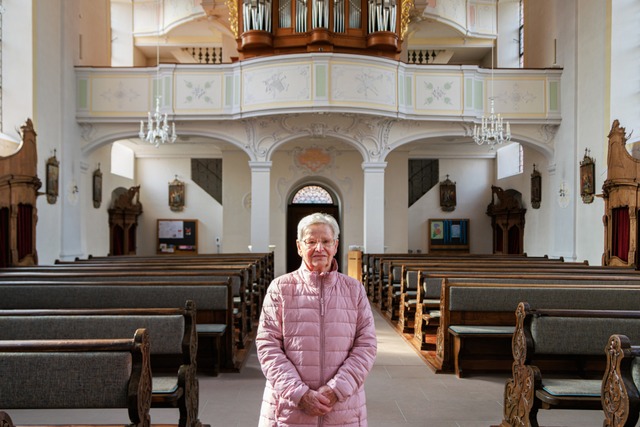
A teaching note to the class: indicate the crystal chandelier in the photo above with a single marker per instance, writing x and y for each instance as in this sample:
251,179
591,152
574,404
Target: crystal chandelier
157,129
493,129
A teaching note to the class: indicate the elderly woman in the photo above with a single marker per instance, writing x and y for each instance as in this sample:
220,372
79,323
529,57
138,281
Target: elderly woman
316,339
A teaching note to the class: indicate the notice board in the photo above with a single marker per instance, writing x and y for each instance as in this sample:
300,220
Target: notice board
448,235
177,236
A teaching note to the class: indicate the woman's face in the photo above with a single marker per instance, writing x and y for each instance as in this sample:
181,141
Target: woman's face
318,256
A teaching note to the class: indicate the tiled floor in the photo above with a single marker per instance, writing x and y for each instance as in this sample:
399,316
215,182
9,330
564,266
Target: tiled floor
401,391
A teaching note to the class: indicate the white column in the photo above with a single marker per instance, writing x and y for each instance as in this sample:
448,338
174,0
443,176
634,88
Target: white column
260,186
374,206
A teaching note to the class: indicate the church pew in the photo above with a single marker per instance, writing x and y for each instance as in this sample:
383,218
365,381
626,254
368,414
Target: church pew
373,262
427,314
172,336
214,301
72,374
397,300
388,289
572,338
244,312
487,308
620,397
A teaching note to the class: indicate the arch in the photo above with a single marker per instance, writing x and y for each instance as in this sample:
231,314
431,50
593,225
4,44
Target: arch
112,137
545,149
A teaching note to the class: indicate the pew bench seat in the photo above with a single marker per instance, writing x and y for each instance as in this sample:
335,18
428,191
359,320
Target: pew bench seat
214,331
96,373
480,348
574,340
172,336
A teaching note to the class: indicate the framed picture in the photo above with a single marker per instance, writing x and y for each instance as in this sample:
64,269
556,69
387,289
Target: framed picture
587,177
536,188
448,195
53,176
97,187
176,195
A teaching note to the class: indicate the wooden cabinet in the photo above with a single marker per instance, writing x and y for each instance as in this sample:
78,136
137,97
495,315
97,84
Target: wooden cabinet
507,221
621,194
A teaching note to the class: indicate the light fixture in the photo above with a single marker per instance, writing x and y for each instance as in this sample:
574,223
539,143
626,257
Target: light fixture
157,129
493,129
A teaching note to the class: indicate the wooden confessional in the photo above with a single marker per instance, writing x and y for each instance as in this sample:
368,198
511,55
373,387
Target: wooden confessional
123,221
507,221
19,184
621,194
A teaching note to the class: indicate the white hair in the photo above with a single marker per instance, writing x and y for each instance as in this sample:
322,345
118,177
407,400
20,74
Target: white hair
318,218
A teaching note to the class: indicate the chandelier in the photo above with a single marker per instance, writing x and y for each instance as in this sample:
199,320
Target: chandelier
493,129
157,129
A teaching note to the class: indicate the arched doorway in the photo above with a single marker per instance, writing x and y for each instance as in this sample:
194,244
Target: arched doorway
304,201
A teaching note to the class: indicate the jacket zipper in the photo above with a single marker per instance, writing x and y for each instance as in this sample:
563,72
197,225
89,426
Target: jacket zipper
321,279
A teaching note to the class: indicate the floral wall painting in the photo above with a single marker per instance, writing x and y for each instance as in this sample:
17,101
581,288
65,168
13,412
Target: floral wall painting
587,177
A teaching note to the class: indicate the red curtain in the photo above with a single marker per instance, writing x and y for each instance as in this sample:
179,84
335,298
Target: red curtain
620,233
25,230
5,250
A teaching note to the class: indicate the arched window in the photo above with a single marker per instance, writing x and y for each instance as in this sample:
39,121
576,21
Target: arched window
312,194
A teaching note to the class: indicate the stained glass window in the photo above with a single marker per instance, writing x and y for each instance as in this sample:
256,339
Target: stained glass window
313,194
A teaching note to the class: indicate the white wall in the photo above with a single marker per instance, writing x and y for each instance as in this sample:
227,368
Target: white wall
96,220
396,200
154,175
473,194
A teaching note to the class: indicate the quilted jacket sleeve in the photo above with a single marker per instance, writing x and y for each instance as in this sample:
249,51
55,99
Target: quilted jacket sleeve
353,372
276,366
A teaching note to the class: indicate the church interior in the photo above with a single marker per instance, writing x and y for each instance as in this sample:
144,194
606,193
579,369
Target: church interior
479,157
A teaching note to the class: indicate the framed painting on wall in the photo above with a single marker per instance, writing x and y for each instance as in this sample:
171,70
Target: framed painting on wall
53,176
587,177
97,187
176,195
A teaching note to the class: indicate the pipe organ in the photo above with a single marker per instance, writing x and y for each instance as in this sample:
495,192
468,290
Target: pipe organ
269,27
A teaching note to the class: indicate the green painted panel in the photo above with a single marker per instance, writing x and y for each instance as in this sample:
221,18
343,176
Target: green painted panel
408,87
401,92
468,93
167,91
553,96
478,92
321,81
83,94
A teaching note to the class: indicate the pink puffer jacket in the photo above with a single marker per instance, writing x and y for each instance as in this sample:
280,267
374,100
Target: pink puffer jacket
315,329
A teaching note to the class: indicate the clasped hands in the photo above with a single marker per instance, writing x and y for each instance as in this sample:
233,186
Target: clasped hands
318,402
